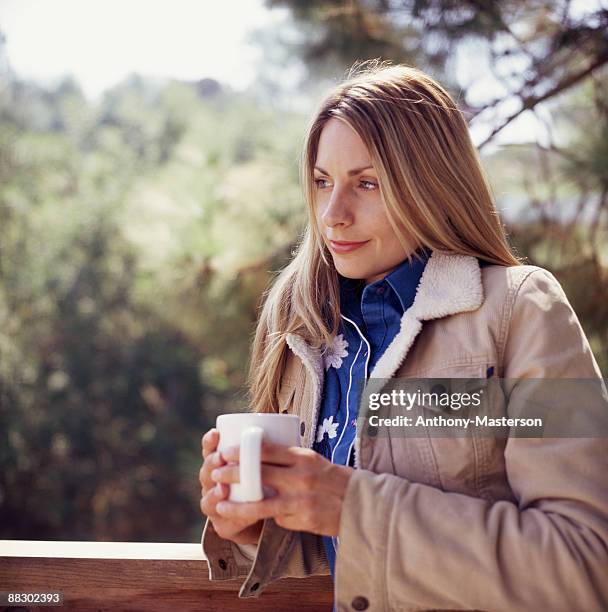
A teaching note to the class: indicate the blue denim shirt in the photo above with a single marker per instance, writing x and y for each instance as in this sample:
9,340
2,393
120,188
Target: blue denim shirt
370,319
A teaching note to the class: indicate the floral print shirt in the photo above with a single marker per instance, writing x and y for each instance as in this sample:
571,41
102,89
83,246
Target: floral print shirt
370,319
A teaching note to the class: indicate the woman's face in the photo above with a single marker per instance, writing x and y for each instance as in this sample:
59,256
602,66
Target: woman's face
350,212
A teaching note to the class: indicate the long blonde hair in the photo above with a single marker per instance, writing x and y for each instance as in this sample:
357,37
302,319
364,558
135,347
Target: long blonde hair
431,180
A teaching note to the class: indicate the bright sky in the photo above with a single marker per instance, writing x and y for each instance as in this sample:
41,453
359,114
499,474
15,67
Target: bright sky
102,42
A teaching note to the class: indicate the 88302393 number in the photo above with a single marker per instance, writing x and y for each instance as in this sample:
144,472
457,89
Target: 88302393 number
39,598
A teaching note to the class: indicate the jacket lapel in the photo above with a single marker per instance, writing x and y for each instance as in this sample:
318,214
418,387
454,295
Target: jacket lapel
449,284
313,362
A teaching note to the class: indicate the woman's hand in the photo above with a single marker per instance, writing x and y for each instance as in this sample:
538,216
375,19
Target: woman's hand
239,530
310,489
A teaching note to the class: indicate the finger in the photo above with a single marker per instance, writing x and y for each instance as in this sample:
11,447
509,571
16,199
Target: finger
228,474
243,533
255,511
220,492
284,478
210,441
231,454
279,454
210,500
208,503
212,462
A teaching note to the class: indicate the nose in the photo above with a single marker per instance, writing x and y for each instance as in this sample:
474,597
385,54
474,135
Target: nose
337,209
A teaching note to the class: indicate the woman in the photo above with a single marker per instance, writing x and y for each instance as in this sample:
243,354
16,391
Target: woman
405,272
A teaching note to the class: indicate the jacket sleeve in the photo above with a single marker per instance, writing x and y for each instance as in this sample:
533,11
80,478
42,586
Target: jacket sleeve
428,549
224,558
280,553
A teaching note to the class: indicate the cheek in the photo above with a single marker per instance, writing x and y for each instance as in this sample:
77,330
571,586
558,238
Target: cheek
380,227
318,209
387,243
318,214
391,239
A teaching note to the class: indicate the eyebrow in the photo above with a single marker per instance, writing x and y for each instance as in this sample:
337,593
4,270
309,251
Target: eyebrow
352,172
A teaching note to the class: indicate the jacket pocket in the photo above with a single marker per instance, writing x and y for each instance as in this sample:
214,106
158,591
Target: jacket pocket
465,460
471,461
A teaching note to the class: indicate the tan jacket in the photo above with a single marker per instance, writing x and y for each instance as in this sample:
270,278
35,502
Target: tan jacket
457,523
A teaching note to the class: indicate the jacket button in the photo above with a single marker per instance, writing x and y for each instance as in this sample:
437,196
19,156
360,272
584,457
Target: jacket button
223,565
439,389
360,603
255,586
302,428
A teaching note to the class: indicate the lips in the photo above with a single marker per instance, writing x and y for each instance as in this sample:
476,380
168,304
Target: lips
340,246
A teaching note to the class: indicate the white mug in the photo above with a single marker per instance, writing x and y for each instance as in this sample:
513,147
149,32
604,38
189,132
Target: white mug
247,429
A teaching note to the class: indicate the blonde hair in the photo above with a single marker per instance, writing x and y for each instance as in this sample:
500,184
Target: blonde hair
432,183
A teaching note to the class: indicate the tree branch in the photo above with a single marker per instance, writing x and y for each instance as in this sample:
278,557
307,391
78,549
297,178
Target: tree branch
531,101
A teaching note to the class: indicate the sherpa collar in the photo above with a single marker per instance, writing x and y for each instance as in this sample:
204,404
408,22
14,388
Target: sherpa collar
449,284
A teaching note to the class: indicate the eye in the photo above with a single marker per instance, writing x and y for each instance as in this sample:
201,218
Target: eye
319,183
368,185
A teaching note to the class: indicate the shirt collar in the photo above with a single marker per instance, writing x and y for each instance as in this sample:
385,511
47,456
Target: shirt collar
403,280
351,292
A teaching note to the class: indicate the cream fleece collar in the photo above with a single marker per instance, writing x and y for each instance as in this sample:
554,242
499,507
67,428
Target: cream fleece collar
449,284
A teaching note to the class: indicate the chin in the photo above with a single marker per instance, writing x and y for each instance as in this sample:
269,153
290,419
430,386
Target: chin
351,273
352,276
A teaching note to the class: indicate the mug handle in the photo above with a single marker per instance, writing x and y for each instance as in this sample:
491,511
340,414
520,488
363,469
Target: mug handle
250,463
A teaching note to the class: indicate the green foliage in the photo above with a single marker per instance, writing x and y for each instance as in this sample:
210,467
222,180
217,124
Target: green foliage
125,319
555,199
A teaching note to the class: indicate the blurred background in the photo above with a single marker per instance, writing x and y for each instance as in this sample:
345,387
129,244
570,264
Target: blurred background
149,191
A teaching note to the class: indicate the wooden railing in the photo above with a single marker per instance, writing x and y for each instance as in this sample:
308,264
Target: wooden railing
129,576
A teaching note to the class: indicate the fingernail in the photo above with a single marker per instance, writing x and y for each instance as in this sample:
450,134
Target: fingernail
221,507
215,474
231,453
